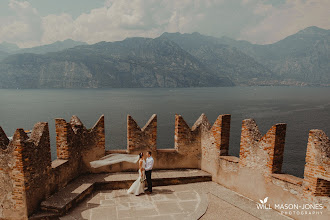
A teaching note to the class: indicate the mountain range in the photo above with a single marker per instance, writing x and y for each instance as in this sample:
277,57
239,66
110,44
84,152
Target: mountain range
10,48
302,57
170,60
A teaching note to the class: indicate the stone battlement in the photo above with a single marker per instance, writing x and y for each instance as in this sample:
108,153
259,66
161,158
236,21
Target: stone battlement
28,176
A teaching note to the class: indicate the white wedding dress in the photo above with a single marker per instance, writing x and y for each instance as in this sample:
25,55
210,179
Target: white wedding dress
138,186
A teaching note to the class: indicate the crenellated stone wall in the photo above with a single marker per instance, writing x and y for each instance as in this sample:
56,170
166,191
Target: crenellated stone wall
75,143
214,142
26,169
317,168
262,153
256,173
185,154
141,139
28,176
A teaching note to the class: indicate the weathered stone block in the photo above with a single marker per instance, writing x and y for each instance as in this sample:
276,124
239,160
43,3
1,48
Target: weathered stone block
317,167
262,153
144,139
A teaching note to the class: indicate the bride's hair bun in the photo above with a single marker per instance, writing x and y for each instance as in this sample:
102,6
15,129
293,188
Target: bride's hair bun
141,154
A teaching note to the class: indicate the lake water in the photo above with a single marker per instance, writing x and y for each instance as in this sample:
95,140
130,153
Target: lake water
301,108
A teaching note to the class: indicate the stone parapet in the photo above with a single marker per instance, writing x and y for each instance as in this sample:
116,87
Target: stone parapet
317,167
264,153
28,176
141,139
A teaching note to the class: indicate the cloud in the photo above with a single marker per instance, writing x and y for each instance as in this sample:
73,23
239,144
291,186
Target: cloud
258,21
126,18
289,18
24,27
57,28
115,21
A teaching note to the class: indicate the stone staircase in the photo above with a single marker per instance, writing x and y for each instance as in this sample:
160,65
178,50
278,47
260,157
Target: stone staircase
67,198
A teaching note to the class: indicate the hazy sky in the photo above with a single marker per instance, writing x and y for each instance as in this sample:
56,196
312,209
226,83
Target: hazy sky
37,22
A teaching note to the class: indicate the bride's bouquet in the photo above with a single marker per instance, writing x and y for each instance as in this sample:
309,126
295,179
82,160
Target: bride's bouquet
142,179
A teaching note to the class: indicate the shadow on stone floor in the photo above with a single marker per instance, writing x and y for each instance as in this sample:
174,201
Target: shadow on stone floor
77,213
163,191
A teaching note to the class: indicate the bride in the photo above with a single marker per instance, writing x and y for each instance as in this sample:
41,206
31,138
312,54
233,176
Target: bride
138,186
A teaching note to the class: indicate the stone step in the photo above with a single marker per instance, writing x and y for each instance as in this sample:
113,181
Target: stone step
45,216
68,197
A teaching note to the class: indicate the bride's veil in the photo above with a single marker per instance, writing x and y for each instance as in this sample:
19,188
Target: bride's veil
114,158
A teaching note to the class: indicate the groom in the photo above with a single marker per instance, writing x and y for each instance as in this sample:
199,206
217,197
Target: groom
148,170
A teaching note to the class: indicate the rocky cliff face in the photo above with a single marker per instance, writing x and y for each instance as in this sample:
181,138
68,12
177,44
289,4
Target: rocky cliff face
304,56
223,59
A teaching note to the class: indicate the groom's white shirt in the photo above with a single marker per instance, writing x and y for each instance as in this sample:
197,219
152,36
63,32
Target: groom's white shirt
149,163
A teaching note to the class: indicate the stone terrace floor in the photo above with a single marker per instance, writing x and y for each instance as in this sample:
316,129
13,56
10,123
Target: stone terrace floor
204,200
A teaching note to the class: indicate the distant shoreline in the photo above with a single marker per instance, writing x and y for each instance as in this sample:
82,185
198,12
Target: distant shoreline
106,88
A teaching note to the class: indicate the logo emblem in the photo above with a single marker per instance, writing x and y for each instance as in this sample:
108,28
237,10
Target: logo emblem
262,204
264,201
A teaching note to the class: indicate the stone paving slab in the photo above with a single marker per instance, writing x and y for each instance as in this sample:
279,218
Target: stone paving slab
201,200
204,200
236,200
227,211
164,203
77,190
